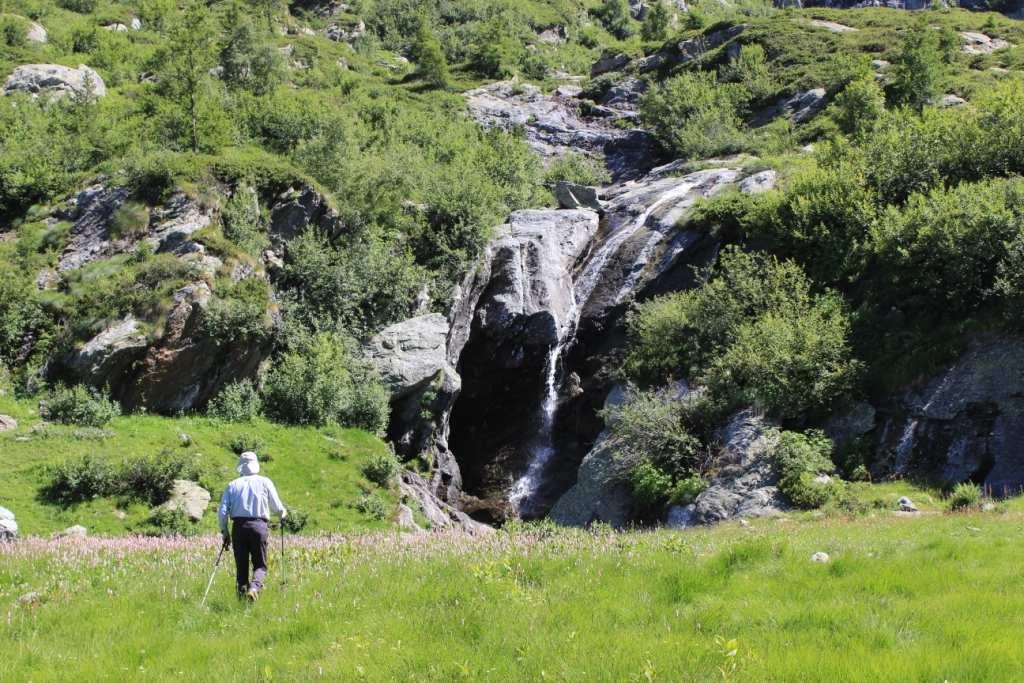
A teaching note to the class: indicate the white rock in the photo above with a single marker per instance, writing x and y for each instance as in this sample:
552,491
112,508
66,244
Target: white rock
76,531
56,80
36,33
980,44
832,26
906,505
116,27
189,498
759,182
820,557
136,24
7,423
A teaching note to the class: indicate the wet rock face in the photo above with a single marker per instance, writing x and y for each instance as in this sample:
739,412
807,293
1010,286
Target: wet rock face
522,298
965,424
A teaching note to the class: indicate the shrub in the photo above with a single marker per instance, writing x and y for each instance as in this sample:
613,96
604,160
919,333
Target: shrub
649,428
578,169
165,522
755,333
242,222
12,32
237,402
239,315
686,490
381,469
426,52
801,459
243,442
655,25
296,520
965,496
750,69
150,478
324,380
695,116
78,405
617,20
859,106
651,485
373,506
74,481
918,68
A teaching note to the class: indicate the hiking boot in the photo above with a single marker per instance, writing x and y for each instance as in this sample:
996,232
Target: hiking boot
252,595
242,591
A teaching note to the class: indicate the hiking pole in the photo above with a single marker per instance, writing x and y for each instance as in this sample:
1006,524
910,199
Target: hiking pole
220,555
284,563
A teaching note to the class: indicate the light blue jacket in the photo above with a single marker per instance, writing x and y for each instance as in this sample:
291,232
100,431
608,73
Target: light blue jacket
250,496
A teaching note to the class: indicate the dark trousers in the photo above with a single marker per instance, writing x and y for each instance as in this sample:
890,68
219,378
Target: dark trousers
249,541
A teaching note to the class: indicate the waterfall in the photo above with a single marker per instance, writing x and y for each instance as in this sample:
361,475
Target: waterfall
542,449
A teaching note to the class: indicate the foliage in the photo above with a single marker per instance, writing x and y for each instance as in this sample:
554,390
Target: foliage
860,105
651,485
656,23
917,70
755,333
239,314
686,490
616,17
167,522
151,478
248,59
577,169
649,427
242,222
381,469
750,69
801,458
237,402
248,441
78,405
426,52
145,478
78,480
694,116
322,380
965,496
296,521
373,506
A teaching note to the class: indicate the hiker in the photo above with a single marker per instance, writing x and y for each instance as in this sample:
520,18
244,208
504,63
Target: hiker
248,501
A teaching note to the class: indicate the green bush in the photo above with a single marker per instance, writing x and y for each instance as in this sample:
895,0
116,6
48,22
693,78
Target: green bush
75,481
656,23
242,222
247,441
150,478
324,380
616,17
686,490
373,506
651,486
296,520
965,496
750,69
694,116
381,469
649,427
237,402
801,459
858,108
12,32
918,68
239,314
578,169
165,522
78,405
755,333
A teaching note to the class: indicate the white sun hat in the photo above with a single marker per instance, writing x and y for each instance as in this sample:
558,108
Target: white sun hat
248,464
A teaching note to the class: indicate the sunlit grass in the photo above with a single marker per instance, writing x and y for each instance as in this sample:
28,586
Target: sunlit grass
930,598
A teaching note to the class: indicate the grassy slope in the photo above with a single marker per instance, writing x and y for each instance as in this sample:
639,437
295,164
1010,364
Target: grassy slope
932,598
305,467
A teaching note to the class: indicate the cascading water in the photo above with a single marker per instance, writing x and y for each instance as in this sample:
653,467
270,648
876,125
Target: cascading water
542,450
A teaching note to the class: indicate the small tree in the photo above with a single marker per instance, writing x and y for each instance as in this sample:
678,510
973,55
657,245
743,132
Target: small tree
918,68
655,26
248,60
616,18
432,67
859,106
185,63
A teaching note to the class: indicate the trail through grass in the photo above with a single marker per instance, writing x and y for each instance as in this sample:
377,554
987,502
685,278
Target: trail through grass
932,598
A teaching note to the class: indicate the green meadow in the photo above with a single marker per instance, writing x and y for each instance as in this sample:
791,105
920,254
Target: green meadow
931,598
